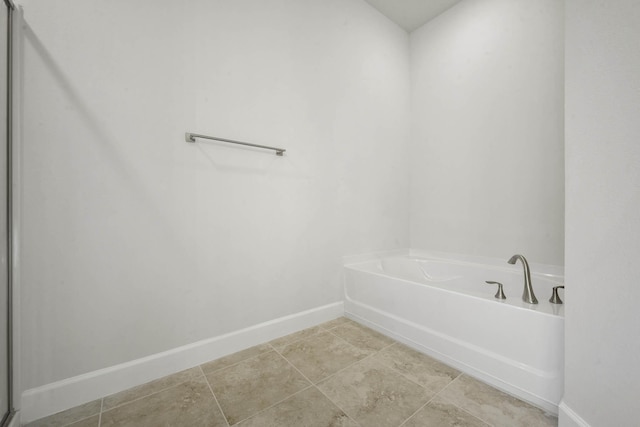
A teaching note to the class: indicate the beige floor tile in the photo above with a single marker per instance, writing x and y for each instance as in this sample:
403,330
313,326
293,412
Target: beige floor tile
374,395
362,337
87,422
69,416
321,355
439,413
143,390
309,408
260,387
493,406
425,370
282,342
188,404
336,322
255,384
234,358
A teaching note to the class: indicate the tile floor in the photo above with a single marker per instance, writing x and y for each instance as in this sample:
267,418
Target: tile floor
337,374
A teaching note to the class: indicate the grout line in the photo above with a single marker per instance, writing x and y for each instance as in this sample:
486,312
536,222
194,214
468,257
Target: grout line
343,369
292,365
311,383
414,381
336,405
473,415
447,386
418,410
275,404
288,397
214,396
432,397
100,416
76,421
330,332
150,394
329,376
233,364
411,380
371,356
350,365
317,388
466,411
386,347
457,406
365,330
322,330
71,423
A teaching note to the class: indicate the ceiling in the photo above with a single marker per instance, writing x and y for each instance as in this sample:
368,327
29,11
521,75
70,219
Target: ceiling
411,14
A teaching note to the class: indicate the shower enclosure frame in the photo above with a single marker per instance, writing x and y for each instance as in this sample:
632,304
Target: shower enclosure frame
8,416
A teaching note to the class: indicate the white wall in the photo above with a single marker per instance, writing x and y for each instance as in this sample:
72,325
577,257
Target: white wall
134,241
487,175
602,380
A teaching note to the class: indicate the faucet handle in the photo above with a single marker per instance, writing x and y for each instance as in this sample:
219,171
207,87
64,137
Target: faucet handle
500,293
555,298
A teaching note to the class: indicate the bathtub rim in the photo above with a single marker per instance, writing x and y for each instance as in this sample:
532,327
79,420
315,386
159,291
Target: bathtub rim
543,308
538,268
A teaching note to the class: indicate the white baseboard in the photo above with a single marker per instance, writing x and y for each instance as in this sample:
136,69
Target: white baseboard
55,397
567,417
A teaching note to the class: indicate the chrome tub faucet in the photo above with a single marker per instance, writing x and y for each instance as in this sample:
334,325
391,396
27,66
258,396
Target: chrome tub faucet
527,296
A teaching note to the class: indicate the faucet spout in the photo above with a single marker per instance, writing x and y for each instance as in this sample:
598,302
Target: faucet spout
527,296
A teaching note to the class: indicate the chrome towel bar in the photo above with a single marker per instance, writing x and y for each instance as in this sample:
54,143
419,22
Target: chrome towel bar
191,137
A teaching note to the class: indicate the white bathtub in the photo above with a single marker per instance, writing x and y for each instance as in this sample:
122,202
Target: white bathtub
441,305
